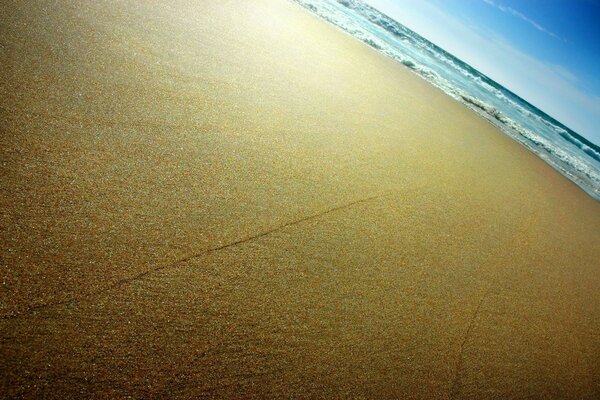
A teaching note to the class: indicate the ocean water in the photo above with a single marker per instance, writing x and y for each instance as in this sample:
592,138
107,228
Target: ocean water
566,151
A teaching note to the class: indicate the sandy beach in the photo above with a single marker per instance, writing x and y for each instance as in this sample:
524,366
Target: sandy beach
234,199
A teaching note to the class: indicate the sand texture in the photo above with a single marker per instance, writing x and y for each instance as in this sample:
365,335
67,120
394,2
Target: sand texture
234,199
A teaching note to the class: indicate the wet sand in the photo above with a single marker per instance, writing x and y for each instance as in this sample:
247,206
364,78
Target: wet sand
234,199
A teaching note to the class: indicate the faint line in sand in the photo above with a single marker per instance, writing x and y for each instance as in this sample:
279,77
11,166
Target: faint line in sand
457,381
142,275
455,389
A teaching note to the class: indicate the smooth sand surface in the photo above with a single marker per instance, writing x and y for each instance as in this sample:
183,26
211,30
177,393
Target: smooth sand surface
235,199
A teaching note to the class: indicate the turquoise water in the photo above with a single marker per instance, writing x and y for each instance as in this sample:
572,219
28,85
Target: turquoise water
566,151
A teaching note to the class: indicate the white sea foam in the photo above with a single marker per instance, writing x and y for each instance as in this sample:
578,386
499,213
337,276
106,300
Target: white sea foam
557,145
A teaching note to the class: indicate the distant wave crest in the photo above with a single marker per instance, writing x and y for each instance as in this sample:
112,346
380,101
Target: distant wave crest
563,149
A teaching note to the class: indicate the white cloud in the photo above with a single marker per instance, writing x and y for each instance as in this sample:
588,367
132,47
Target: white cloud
565,73
525,18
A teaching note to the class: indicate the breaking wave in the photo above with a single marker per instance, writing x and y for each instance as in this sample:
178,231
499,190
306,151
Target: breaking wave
566,151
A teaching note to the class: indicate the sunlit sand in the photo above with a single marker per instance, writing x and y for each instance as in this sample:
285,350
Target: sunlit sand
235,199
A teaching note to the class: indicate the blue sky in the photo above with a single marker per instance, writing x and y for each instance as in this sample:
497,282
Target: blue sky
546,51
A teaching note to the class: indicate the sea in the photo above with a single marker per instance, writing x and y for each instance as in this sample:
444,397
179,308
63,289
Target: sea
566,151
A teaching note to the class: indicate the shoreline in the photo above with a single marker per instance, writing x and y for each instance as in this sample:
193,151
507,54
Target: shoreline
529,139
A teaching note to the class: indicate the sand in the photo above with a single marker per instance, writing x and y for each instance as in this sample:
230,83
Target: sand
235,199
